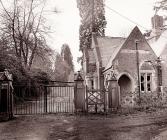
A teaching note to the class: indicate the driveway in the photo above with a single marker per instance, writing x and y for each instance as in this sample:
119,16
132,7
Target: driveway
137,126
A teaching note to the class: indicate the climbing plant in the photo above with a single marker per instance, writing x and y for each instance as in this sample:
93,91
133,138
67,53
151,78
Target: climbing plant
93,19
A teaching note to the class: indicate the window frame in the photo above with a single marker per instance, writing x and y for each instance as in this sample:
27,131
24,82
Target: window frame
145,82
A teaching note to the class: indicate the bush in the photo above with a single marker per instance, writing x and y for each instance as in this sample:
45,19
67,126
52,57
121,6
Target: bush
151,99
38,76
147,100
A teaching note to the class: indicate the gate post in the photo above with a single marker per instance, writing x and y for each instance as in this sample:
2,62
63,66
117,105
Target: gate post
79,93
6,95
113,93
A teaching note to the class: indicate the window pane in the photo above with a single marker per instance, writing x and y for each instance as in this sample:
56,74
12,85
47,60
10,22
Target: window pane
92,82
148,78
142,78
145,81
142,82
142,86
148,87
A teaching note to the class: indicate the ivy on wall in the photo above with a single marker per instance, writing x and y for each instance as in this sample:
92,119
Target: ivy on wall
92,15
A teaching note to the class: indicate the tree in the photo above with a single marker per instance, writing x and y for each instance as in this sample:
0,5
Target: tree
8,61
67,56
24,29
44,62
59,68
64,64
92,20
160,5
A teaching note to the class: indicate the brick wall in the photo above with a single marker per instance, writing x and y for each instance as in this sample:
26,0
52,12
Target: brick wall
126,60
126,63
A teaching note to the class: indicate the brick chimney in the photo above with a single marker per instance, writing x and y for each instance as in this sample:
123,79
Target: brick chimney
157,25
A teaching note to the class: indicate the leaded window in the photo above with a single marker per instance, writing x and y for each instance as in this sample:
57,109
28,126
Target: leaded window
145,82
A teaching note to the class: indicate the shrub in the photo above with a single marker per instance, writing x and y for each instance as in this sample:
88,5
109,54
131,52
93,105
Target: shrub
151,99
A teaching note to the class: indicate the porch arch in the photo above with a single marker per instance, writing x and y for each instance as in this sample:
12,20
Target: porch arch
125,83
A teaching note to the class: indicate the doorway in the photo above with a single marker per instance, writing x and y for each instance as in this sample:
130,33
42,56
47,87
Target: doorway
125,84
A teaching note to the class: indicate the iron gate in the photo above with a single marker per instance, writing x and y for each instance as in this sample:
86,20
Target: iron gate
95,101
52,98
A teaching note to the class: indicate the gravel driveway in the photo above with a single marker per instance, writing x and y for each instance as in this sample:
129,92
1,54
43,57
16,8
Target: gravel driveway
138,126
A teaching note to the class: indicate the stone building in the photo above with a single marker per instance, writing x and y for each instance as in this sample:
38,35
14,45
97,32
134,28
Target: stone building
128,59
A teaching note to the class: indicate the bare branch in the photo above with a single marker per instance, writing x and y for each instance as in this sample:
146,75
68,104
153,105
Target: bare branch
40,17
5,9
29,15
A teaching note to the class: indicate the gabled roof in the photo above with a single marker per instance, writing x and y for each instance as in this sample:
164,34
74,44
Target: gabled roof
108,47
133,35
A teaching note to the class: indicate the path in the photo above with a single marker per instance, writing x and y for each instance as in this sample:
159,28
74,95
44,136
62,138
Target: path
140,126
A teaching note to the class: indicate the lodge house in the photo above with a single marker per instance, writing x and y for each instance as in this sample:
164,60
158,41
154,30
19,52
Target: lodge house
132,62
117,72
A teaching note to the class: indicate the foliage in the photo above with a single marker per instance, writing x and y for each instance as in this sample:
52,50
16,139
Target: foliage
63,64
67,56
24,29
8,61
160,5
23,48
59,68
92,20
44,62
39,76
21,75
151,99
147,100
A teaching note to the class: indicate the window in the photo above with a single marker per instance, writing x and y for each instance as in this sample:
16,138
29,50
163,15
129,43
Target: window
92,84
149,82
142,82
145,82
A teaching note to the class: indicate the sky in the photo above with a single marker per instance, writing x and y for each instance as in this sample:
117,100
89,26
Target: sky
137,11
65,24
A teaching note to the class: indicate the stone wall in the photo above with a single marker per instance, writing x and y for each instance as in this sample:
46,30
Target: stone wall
147,100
